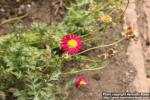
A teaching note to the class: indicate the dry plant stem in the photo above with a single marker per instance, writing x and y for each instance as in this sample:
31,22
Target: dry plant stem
84,70
128,1
101,46
91,60
91,39
84,35
13,19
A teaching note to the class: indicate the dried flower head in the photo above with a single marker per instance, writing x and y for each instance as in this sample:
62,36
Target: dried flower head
66,56
129,32
103,56
111,51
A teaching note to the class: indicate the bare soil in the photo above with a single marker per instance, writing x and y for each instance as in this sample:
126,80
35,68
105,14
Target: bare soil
116,77
44,11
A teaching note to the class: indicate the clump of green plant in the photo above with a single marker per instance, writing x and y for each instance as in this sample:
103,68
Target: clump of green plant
31,62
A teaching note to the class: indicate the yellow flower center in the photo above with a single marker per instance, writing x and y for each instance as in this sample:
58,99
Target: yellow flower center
72,43
82,83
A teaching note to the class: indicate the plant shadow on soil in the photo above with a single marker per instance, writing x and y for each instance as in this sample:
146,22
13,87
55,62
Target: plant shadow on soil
117,76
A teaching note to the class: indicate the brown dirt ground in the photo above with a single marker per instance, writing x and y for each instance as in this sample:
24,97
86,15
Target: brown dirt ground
117,76
48,11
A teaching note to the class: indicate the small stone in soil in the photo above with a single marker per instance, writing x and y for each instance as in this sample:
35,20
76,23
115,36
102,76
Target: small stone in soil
147,43
147,59
22,7
131,71
148,76
29,5
96,77
2,10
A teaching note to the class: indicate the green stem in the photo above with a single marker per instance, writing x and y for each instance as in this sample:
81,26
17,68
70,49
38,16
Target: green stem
55,47
90,39
128,1
88,59
102,46
84,70
84,35
1,51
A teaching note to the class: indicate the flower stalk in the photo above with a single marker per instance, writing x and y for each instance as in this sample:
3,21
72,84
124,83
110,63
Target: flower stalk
101,46
84,70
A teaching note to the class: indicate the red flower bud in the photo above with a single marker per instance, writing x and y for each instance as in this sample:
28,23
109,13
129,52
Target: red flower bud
81,80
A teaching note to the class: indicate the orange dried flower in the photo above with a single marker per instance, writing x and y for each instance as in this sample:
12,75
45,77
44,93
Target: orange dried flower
129,30
103,56
111,51
129,33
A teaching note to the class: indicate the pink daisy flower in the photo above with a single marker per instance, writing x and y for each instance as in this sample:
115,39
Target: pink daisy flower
71,43
81,80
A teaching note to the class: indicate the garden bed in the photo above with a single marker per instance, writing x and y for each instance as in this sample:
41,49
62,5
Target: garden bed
34,66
